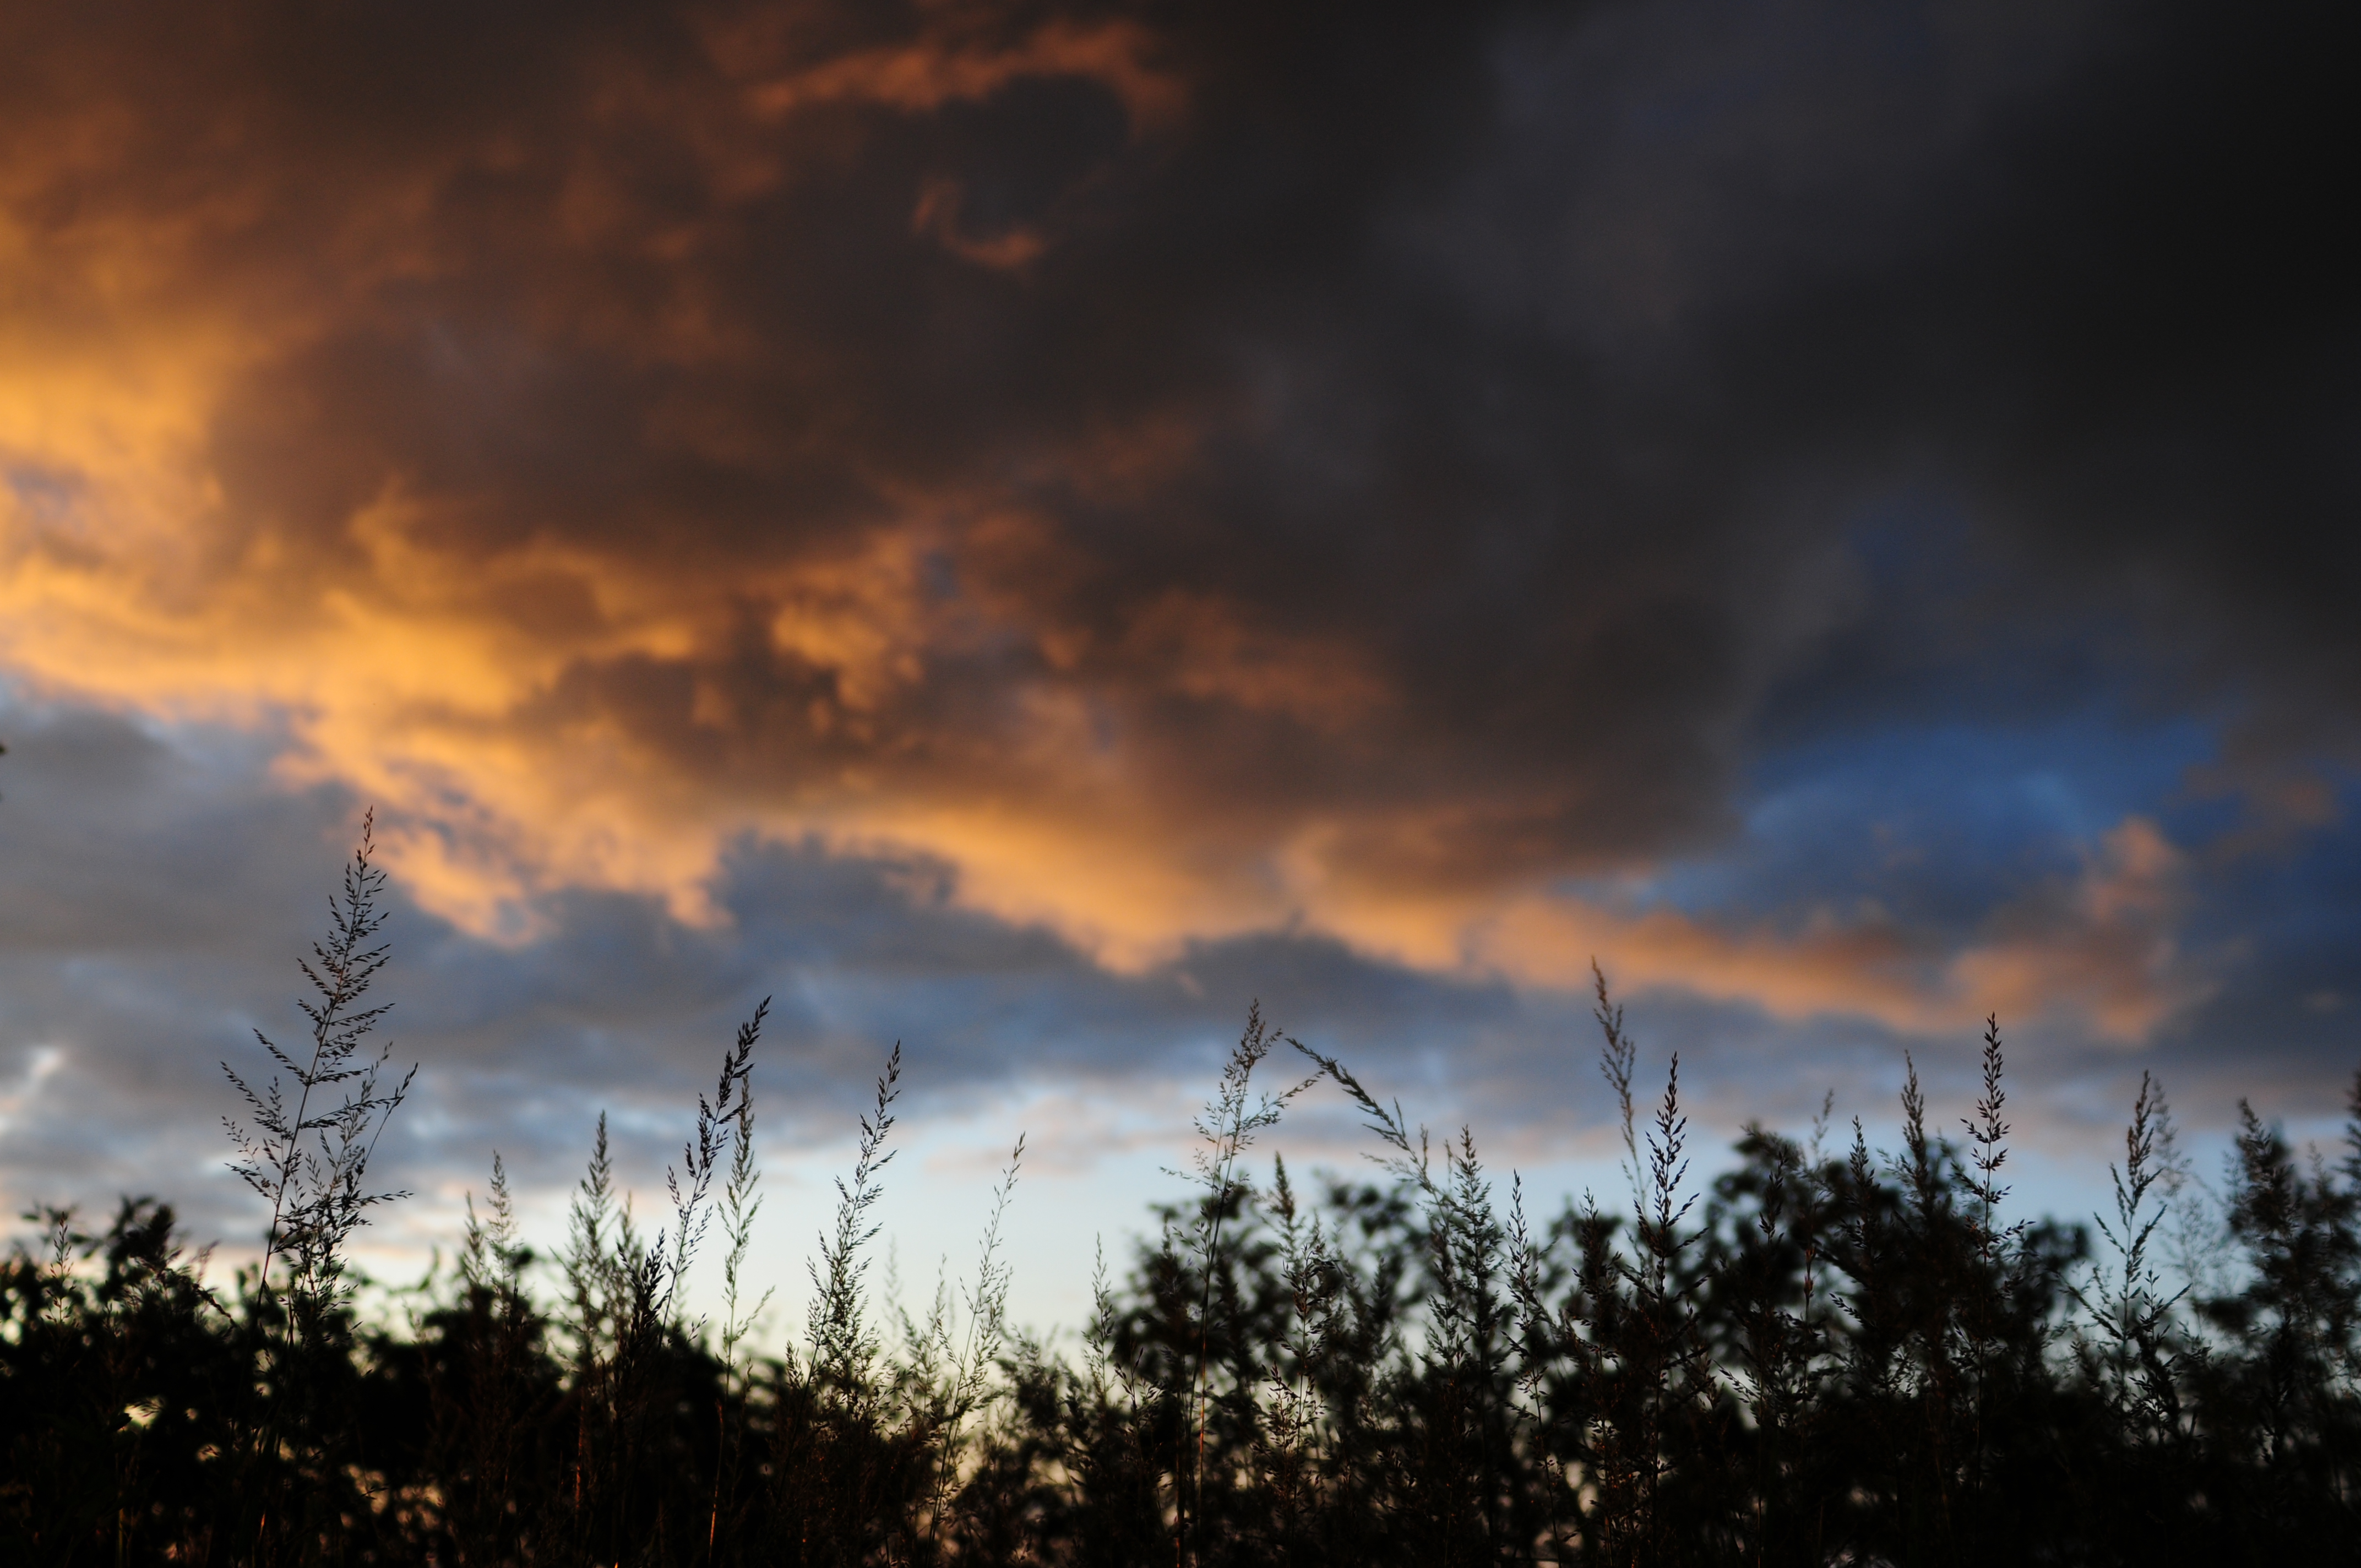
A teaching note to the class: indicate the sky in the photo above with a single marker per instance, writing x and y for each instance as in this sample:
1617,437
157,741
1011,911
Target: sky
1024,528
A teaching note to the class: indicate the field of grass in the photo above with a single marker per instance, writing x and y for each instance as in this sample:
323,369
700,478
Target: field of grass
1826,1352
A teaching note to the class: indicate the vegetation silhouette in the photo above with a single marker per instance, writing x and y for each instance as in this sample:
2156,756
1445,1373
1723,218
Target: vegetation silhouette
1821,1354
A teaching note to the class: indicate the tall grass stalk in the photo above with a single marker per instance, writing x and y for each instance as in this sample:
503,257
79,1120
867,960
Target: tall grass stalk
1225,1129
309,1160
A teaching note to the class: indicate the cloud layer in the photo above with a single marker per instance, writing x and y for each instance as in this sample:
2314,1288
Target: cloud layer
1842,513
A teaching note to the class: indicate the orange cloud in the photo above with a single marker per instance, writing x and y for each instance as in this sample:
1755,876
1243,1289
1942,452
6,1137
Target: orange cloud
939,69
2107,947
420,684
599,468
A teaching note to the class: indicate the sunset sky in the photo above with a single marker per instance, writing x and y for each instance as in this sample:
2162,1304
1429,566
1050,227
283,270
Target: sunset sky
1022,528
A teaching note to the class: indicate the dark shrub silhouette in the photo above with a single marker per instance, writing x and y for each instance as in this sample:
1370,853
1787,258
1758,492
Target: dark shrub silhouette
1822,1354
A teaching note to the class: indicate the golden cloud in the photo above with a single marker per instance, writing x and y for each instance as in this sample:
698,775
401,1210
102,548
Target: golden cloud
564,482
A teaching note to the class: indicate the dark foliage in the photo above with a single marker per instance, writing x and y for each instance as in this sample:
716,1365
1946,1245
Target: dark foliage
1824,1354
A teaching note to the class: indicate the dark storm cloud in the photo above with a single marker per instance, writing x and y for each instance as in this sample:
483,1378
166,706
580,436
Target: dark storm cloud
1205,471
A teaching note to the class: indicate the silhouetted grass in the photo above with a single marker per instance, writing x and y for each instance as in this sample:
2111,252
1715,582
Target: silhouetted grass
1819,1356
